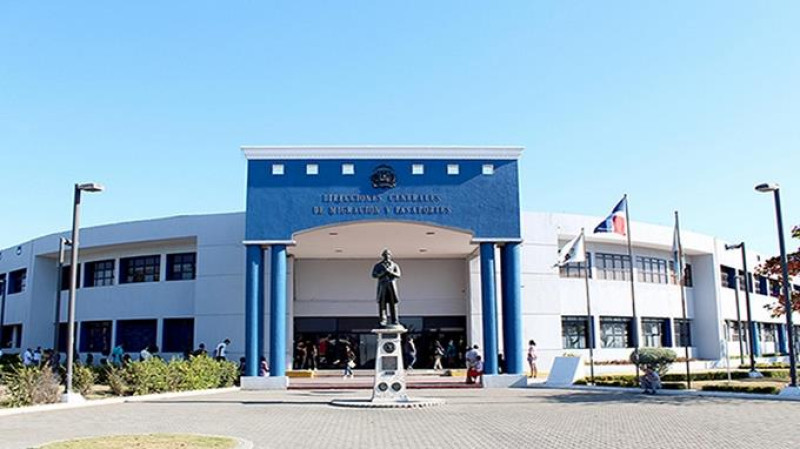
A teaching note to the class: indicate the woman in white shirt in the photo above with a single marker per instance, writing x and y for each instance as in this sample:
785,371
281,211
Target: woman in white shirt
532,358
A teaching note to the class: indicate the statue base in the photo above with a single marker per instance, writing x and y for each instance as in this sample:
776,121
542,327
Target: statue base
389,385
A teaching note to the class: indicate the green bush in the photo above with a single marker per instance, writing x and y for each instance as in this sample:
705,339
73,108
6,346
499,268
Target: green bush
117,380
31,385
760,389
659,359
83,379
148,376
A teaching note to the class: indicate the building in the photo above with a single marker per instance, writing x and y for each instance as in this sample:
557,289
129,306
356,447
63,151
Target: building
295,267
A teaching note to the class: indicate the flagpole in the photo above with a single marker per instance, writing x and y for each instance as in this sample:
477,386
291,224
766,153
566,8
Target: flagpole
633,293
589,319
682,285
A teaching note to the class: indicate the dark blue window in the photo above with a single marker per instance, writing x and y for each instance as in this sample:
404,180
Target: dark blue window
135,335
178,335
96,336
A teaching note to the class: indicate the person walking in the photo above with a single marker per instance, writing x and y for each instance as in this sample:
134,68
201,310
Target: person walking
221,351
532,357
412,353
471,356
200,351
37,356
263,367
349,362
451,354
116,355
27,357
438,353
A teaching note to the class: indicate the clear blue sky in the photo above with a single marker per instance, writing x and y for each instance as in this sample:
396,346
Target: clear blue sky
683,105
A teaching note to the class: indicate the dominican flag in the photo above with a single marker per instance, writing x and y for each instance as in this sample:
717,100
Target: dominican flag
677,251
615,222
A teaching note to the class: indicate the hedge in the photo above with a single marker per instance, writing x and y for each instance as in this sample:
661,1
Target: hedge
759,389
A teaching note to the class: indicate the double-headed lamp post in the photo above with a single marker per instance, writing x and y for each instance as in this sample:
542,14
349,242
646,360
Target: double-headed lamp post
775,189
69,395
751,330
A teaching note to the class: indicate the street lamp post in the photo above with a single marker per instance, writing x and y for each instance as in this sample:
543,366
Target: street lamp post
69,395
750,324
775,189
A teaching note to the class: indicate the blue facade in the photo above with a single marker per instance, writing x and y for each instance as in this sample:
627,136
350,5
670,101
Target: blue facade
280,205
476,196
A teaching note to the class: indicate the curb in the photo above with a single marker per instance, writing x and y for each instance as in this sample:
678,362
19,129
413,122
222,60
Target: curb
112,401
663,392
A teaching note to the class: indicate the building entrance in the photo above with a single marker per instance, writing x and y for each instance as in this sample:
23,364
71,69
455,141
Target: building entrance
321,342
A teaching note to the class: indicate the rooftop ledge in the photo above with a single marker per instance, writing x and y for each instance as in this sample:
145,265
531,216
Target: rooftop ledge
382,152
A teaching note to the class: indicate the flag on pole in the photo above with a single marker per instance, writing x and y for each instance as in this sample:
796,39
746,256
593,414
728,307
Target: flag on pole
573,252
677,252
616,221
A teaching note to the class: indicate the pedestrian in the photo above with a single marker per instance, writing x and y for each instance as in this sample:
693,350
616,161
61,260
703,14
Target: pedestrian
37,356
116,355
451,354
263,367
349,362
412,353
144,354
154,351
470,357
200,351
300,356
221,351
90,359
650,381
532,357
323,352
27,357
312,355
242,366
438,353
475,372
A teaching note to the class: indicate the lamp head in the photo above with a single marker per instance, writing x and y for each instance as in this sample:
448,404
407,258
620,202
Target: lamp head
767,187
91,187
736,246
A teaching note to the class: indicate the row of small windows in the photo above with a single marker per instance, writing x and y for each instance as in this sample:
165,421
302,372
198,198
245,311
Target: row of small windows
616,267
177,335
132,270
754,283
617,332
767,333
350,169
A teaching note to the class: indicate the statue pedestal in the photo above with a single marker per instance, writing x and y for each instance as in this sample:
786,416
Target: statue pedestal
390,374
389,386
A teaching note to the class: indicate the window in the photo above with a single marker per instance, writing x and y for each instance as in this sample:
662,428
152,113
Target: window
615,332
487,169
181,267
743,280
17,281
774,288
348,169
727,276
652,270
417,169
65,277
135,335
62,336
761,285
769,332
614,267
139,269
683,332
96,336
312,169
12,336
98,274
575,269
575,332
178,335
452,169
655,332
277,169
735,331
2,284
687,274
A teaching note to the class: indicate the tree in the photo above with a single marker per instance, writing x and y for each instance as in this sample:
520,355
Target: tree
771,268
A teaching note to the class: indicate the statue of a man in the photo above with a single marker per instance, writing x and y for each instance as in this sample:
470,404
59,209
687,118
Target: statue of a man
387,272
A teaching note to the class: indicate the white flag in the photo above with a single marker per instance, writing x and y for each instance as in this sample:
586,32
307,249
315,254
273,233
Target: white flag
573,252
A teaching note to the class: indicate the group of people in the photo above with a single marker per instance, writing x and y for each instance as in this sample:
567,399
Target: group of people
325,353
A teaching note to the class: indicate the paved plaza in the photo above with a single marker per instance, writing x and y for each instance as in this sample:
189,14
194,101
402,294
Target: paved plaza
470,419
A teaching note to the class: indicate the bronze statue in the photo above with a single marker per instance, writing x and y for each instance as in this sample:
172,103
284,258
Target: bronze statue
387,272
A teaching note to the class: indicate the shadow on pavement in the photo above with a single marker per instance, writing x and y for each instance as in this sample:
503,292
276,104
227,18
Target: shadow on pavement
632,398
